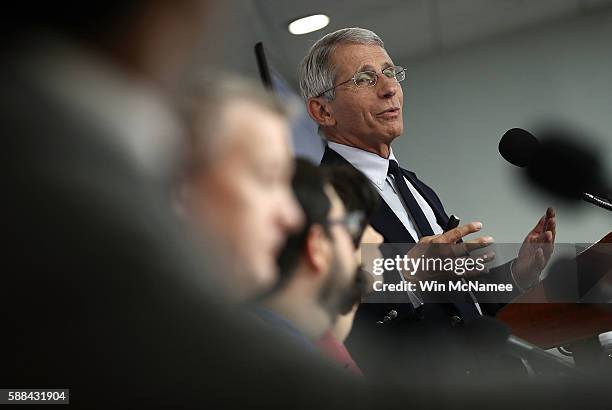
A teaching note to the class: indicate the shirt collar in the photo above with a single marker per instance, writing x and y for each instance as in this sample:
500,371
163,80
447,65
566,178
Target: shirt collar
373,166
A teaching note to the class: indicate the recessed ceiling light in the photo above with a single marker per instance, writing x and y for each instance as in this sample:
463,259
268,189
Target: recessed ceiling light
308,24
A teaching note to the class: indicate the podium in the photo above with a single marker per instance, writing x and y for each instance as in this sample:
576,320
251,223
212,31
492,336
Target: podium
550,325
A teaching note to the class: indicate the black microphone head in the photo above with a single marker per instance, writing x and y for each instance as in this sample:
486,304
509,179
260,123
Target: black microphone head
518,147
558,164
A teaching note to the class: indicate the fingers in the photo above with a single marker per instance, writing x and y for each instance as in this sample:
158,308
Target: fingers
548,236
546,228
540,260
479,243
546,223
539,227
449,239
539,256
551,223
427,239
457,233
488,256
544,237
547,251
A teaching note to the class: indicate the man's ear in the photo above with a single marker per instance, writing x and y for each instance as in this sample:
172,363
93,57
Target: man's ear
320,111
317,249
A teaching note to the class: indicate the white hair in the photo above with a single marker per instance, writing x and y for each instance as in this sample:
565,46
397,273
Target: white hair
317,73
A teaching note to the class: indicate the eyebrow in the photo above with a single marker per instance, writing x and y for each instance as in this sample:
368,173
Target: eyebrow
368,67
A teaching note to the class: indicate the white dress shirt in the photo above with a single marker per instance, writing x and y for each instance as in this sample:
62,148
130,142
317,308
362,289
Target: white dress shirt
375,169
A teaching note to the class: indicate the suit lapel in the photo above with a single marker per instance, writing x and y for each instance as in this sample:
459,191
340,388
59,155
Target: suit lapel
384,219
331,157
388,224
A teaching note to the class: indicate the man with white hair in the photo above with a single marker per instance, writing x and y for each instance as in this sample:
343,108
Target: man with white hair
352,90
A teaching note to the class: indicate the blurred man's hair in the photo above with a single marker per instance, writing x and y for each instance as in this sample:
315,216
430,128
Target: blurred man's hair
308,183
354,188
356,192
207,97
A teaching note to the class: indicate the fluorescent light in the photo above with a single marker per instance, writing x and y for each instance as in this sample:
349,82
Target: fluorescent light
308,24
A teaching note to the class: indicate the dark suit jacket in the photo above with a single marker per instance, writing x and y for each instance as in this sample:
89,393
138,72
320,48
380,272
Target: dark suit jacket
434,329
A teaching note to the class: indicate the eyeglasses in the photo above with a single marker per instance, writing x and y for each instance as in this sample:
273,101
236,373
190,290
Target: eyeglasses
370,78
354,222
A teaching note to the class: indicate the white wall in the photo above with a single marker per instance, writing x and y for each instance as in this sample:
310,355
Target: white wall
459,103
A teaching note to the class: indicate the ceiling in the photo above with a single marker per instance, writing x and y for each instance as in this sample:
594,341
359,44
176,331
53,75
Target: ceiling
409,28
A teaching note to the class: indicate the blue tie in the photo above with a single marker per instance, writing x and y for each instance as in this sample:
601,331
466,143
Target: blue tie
413,207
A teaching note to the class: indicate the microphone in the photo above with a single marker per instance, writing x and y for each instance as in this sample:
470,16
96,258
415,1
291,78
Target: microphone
493,335
557,164
518,147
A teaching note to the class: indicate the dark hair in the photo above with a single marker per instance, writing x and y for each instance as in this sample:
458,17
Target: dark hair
309,188
355,190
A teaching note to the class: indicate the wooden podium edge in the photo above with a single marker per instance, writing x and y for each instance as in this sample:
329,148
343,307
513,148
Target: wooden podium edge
549,325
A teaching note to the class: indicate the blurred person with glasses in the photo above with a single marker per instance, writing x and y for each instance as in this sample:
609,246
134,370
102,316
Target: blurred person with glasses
319,271
360,200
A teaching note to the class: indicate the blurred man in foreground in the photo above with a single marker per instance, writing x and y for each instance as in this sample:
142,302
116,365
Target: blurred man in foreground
103,292
238,186
99,265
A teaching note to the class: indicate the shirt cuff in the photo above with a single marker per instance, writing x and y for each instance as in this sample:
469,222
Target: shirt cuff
520,288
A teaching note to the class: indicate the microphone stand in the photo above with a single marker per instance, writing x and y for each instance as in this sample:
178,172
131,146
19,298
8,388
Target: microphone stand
598,201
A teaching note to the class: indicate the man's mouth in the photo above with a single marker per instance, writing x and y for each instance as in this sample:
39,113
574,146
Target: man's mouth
389,112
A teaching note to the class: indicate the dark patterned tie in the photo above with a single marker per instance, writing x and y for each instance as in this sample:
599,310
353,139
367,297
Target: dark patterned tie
409,200
464,301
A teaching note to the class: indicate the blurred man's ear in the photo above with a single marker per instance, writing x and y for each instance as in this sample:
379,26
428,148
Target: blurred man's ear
320,111
317,249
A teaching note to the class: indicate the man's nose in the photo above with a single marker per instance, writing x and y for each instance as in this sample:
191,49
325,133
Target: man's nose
291,214
387,87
